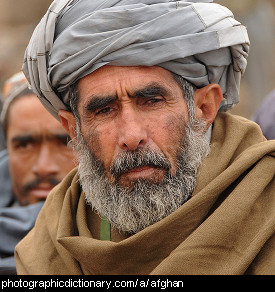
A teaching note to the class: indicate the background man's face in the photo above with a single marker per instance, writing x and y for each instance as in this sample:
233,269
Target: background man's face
38,155
128,108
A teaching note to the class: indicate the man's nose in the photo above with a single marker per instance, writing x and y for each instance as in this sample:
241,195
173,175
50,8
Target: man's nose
132,132
45,164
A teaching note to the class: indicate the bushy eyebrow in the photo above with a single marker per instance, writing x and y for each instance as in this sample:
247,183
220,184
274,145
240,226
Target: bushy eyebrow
150,90
32,138
98,102
22,139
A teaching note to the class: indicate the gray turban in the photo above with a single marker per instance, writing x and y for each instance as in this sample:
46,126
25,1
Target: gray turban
198,40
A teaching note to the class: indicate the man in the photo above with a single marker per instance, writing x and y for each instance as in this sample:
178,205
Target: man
265,116
37,159
165,183
2,139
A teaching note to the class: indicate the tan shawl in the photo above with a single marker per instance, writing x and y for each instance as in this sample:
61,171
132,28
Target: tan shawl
227,227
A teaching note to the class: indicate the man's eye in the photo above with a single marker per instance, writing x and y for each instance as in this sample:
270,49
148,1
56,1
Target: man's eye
23,145
64,141
105,110
154,100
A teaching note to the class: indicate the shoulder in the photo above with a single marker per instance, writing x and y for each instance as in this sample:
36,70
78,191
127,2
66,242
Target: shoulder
235,134
239,125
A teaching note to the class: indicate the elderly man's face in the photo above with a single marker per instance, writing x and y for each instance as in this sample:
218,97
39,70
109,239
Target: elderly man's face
130,108
139,151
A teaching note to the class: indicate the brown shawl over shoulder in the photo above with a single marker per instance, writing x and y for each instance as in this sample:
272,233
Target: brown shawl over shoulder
227,227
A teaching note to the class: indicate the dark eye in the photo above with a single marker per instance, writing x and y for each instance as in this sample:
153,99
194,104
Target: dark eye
105,110
64,141
23,146
154,100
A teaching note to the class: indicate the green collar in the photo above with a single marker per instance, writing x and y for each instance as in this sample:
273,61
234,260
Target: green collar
105,229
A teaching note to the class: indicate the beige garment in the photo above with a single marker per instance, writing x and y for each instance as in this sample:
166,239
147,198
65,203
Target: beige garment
227,227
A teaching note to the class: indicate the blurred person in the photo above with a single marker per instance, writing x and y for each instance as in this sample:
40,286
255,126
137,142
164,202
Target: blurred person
265,116
36,159
168,182
2,138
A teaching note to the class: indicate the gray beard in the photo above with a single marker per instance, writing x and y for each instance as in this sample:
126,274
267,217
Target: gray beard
143,203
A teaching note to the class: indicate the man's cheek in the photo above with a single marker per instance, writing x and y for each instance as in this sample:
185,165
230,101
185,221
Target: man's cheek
175,130
101,146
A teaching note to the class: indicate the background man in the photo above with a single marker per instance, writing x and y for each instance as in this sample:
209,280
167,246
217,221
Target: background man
265,116
37,158
172,183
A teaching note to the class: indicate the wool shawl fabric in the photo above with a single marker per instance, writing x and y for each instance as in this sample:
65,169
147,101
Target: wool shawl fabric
198,40
227,227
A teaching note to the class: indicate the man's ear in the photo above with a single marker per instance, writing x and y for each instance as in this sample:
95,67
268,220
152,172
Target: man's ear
68,122
207,100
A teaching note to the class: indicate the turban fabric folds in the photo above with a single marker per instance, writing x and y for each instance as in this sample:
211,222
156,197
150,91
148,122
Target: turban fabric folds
199,40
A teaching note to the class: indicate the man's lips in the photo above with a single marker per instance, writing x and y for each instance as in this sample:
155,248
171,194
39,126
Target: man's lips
140,172
41,191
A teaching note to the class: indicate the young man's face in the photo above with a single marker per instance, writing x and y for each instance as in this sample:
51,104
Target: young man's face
128,108
38,154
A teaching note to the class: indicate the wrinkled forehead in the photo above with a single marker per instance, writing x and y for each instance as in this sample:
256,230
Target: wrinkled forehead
119,80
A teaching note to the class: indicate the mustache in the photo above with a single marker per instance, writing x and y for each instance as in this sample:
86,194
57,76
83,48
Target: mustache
35,183
138,158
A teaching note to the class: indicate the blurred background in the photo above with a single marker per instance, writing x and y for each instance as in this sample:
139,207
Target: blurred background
18,19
